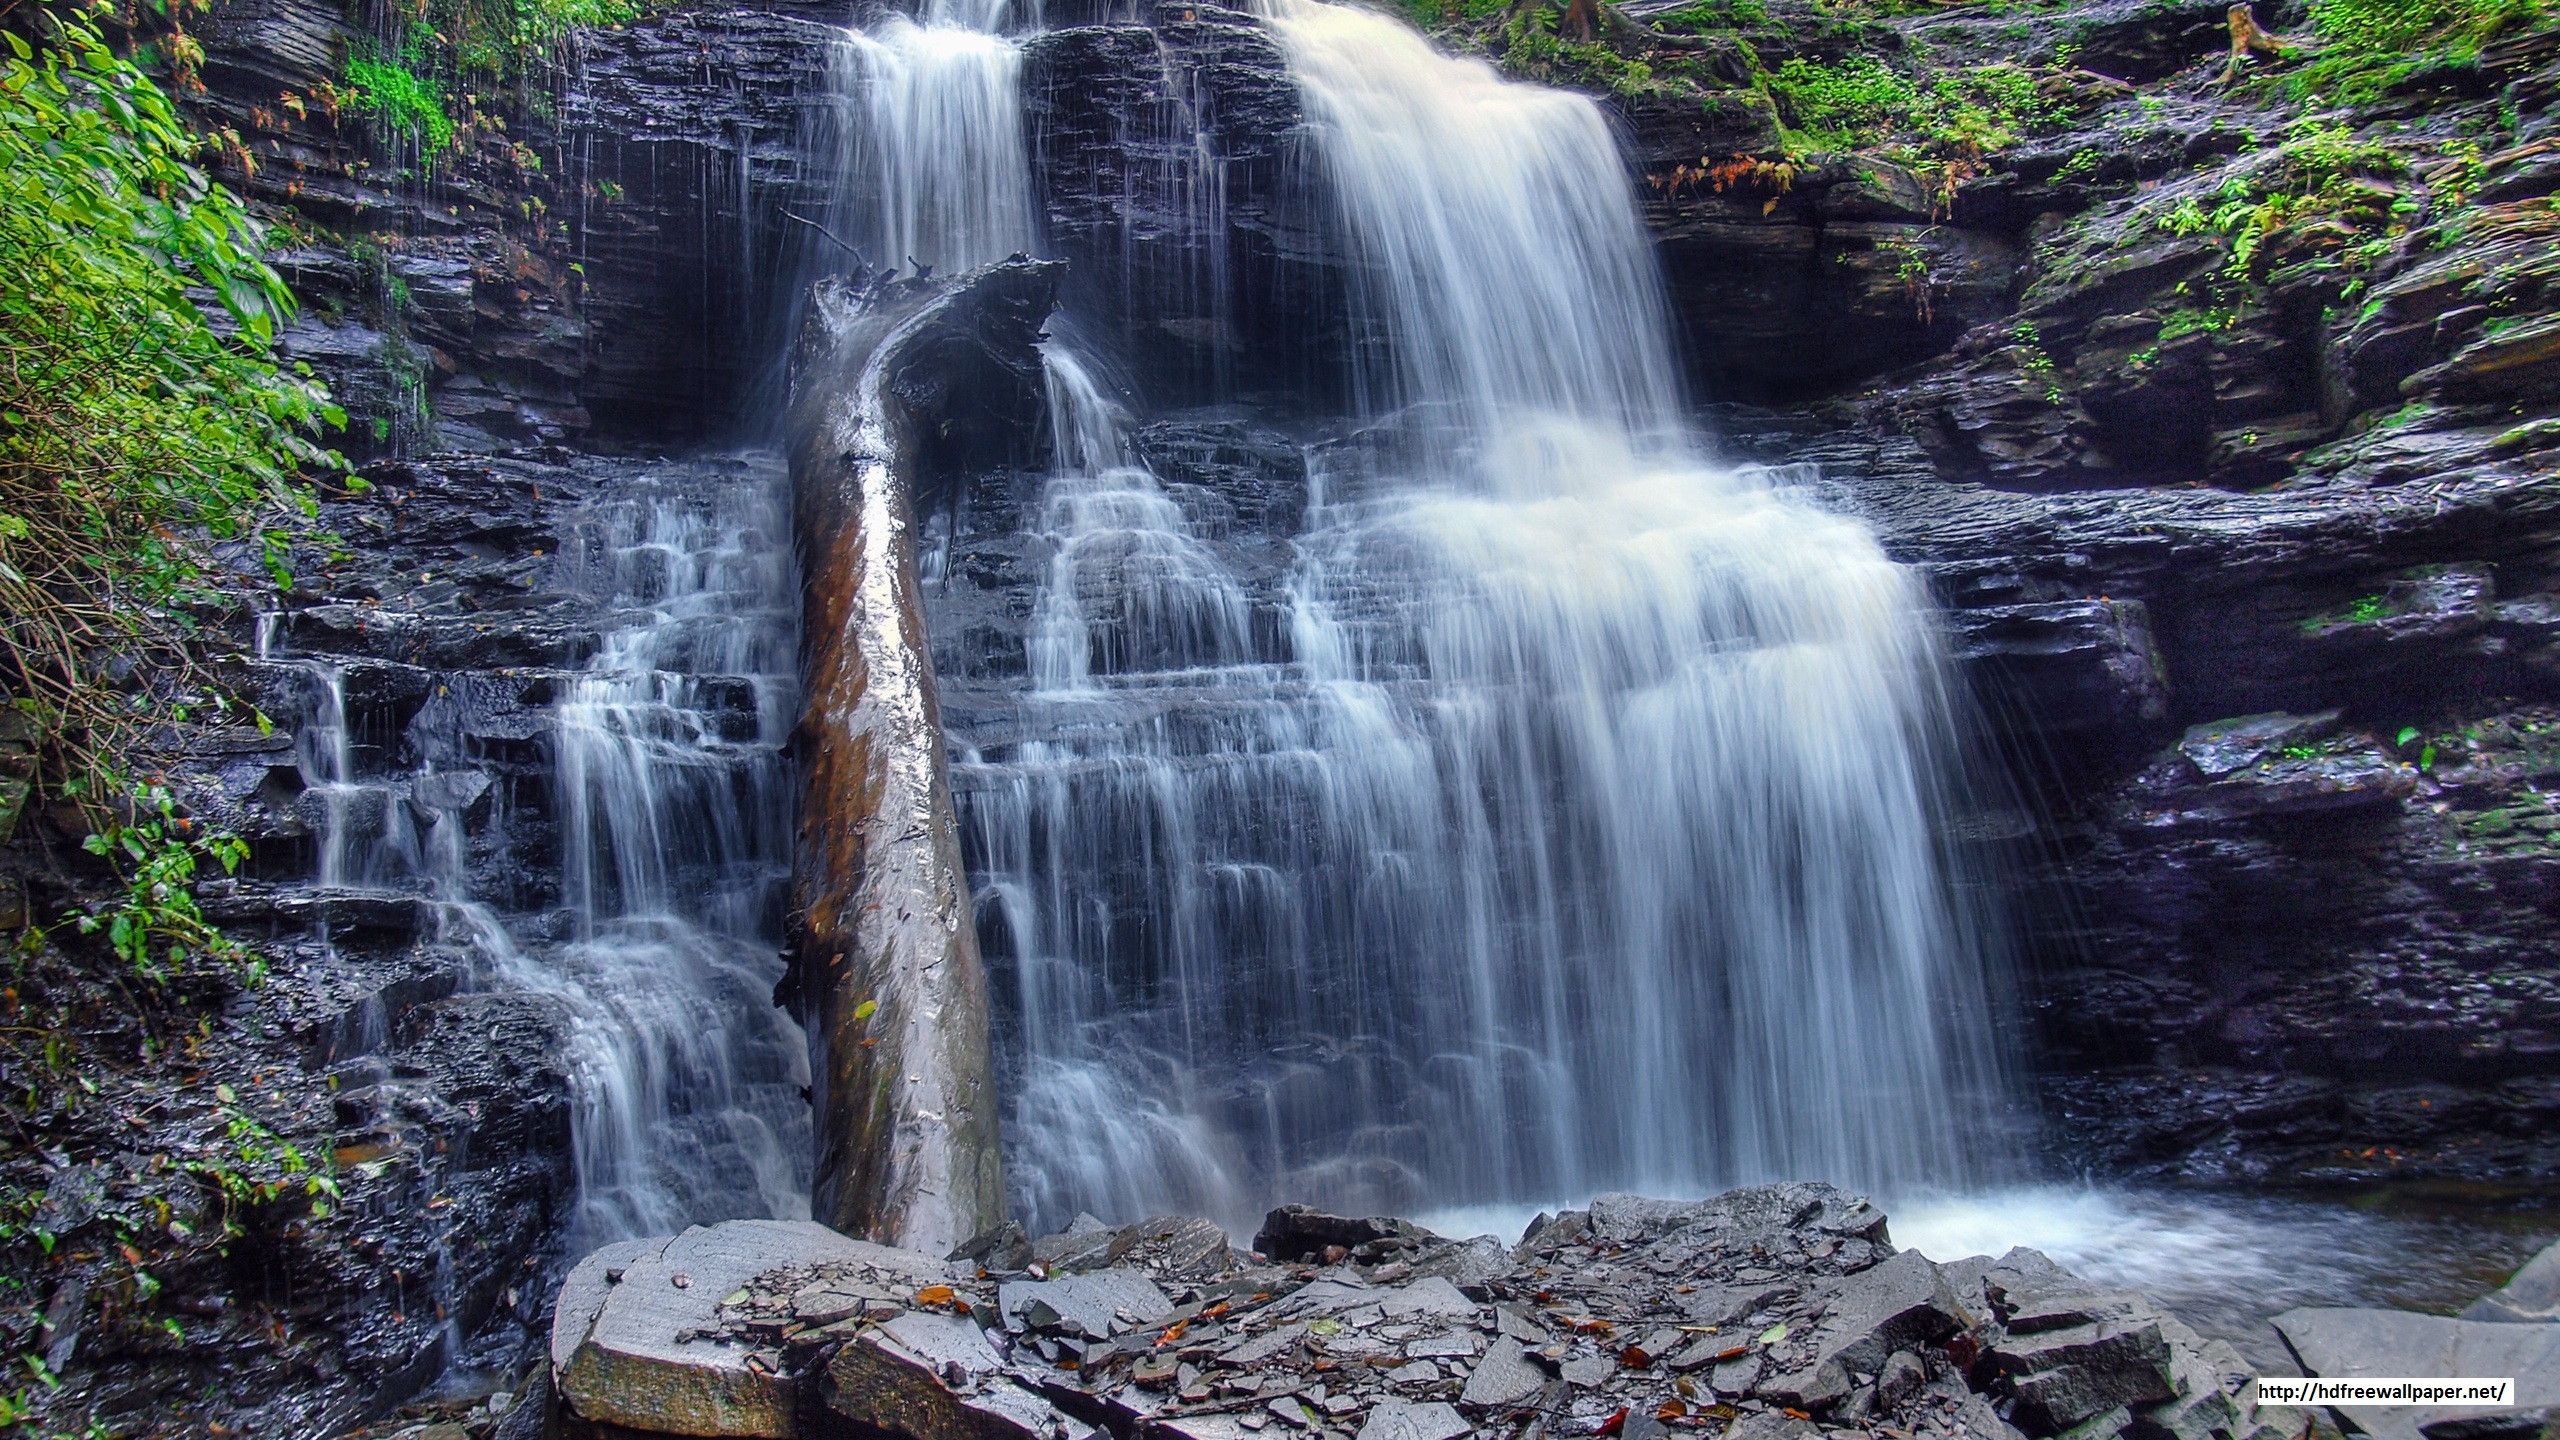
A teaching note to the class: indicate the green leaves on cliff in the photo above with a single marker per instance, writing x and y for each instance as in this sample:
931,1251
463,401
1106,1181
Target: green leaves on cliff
143,416
1860,101
401,102
2370,47
412,81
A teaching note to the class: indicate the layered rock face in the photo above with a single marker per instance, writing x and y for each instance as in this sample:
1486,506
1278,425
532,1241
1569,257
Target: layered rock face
610,262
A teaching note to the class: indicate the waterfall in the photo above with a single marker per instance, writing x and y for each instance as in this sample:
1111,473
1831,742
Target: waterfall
673,816
1578,824
675,821
932,133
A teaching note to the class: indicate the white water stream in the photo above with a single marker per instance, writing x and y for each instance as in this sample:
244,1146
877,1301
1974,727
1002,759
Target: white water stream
672,810
1577,822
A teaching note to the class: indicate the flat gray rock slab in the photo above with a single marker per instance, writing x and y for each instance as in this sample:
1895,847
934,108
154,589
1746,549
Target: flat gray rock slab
2390,1343
2531,1296
1395,1420
935,1377
1434,1297
623,1340
1093,1303
1504,1376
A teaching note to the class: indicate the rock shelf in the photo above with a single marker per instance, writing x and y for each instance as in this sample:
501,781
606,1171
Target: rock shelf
1770,1313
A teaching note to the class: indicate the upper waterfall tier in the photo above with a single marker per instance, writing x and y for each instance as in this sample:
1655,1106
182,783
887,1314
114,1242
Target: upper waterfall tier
1493,229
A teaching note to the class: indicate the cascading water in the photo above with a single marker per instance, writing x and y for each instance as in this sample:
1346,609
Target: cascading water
674,825
1577,825
931,133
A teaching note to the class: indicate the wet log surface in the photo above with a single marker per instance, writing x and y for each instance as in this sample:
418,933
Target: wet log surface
898,381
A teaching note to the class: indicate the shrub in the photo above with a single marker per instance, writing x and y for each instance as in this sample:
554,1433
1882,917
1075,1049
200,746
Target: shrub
142,412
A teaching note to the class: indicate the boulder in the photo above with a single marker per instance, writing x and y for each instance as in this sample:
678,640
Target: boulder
1301,1232
2388,1343
635,1339
2531,1295
932,1376
2063,1376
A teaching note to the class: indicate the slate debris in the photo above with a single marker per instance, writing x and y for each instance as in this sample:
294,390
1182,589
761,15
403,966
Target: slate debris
1770,1313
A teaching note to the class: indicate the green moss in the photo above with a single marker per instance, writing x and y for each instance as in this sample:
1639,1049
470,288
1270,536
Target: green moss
1532,47
1713,15
401,102
2370,47
2184,322
1859,102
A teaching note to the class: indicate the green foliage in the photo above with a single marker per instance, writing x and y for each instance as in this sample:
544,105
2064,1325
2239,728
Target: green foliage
2323,172
1531,47
2370,46
414,81
142,412
260,1168
155,925
2183,322
1711,15
401,102
2035,363
1839,106
1860,101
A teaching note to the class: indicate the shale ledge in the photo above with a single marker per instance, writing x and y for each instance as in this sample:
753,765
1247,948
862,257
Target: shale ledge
1768,1313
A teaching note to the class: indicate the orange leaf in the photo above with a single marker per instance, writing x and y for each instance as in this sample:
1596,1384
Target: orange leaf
935,1295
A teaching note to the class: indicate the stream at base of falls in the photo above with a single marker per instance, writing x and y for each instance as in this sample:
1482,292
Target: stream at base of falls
2225,1262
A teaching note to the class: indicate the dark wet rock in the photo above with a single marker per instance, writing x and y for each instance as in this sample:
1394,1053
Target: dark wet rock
2223,747
1300,1232
1131,126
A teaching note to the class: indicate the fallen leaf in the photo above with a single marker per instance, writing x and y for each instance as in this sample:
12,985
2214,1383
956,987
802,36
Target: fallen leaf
935,1295
1635,1358
1614,1423
1774,1334
1670,1410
